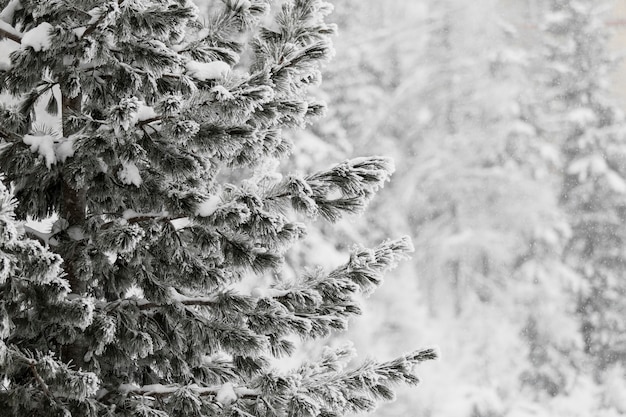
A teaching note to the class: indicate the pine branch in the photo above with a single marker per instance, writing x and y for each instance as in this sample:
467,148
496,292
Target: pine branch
9,136
10,32
199,301
235,302
40,381
159,390
92,28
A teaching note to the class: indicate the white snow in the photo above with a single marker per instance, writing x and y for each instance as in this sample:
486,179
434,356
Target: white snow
226,394
9,10
616,182
207,70
79,31
129,174
176,296
38,37
582,116
615,388
111,257
158,389
221,93
44,145
95,14
126,388
208,207
50,148
592,164
598,164
145,112
42,236
261,292
180,223
64,148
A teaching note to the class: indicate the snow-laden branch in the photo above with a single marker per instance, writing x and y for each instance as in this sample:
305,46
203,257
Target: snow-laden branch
144,304
208,300
224,394
9,32
182,299
6,17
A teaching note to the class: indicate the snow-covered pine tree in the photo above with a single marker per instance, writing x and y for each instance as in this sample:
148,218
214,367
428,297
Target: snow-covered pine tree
580,117
133,308
590,127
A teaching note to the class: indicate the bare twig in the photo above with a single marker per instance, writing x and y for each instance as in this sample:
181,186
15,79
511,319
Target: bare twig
9,32
40,381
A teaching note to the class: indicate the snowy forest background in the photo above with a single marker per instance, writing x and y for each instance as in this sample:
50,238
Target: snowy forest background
505,120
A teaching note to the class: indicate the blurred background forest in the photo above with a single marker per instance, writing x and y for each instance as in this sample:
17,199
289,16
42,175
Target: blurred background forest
506,122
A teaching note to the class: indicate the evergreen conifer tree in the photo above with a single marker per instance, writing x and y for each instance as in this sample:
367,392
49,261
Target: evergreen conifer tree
586,357
133,308
592,139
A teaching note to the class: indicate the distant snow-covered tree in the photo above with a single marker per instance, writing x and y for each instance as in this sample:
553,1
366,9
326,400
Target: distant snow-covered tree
131,305
577,351
580,113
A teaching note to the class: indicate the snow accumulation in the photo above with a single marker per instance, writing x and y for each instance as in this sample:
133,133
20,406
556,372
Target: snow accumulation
38,37
79,31
226,394
616,182
208,207
180,223
50,148
176,296
145,112
4,64
111,257
10,9
129,174
221,93
592,164
260,292
582,116
207,70
126,388
44,145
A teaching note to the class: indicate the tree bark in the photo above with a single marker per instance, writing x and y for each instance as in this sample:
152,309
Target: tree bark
73,205
73,209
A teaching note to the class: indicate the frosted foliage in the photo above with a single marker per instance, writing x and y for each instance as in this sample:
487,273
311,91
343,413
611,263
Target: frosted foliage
508,136
207,70
143,247
129,174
